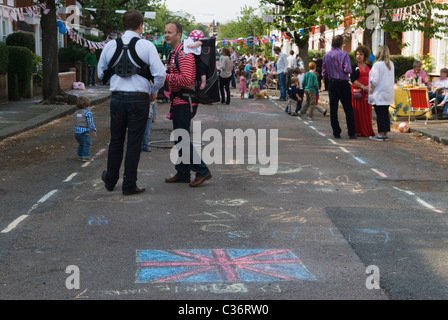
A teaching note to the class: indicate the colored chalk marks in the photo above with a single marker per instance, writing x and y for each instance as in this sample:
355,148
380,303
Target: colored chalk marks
219,265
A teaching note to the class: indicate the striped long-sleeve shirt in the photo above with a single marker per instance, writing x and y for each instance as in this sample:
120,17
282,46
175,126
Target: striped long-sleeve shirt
183,78
336,65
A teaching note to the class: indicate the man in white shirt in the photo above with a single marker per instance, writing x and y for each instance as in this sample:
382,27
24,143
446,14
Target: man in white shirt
129,105
292,64
282,64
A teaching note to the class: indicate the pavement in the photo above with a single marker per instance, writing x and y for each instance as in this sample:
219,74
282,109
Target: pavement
20,116
26,114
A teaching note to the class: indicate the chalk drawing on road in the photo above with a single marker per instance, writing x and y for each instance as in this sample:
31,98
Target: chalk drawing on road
219,265
98,221
226,202
282,169
327,184
83,198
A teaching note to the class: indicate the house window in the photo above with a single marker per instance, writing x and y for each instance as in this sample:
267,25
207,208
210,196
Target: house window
4,31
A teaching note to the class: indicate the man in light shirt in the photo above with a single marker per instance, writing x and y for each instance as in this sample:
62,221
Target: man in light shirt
292,64
129,105
282,64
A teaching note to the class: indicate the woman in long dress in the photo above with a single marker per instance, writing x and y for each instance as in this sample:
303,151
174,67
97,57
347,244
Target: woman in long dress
360,86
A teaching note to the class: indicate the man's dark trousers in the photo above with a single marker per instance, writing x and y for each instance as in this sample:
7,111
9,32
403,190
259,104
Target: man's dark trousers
341,90
128,114
181,117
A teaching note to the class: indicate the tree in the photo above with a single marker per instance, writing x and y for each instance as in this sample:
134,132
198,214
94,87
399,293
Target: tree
248,25
50,63
104,16
295,16
371,14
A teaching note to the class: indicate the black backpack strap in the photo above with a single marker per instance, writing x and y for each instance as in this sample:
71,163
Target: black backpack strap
134,54
144,68
110,67
117,53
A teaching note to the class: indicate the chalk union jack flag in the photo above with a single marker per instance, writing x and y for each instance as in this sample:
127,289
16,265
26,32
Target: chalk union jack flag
219,265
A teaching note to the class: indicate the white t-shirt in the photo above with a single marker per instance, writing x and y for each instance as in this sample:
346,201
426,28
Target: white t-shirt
292,62
383,79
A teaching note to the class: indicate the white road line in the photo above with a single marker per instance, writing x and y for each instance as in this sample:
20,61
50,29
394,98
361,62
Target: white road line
359,160
70,177
16,222
420,200
47,196
379,173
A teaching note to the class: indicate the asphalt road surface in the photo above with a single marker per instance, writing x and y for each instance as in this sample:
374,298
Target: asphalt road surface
334,219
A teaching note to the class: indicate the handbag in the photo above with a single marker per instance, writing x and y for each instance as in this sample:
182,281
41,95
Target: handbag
357,93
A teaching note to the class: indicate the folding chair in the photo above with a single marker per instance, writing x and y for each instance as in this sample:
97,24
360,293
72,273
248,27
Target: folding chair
419,102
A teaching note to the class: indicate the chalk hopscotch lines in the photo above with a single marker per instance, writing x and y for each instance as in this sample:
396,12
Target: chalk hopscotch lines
219,265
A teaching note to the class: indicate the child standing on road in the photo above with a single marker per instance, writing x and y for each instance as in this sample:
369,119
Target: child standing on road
83,125
294,95
243,85
310,86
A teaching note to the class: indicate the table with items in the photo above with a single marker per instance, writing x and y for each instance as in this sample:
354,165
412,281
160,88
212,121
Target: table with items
402,102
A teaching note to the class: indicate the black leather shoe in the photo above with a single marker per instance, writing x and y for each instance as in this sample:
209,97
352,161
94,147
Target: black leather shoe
337,136
137,190
103,177
353,137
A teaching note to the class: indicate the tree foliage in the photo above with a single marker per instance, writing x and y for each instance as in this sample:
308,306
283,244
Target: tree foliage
249,24
105,18
294,16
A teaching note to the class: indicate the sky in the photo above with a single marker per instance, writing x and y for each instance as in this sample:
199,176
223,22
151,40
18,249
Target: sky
208,10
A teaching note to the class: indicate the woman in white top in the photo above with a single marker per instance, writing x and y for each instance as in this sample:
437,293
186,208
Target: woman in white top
225,75
381,91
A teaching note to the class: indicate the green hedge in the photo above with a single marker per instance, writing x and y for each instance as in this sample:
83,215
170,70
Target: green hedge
19,39
3,58
20,64
75,52
402,64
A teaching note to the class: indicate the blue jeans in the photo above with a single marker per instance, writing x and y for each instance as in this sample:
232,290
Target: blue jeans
92,75
282,85
181,117
232,78
84,145
145,143
128,114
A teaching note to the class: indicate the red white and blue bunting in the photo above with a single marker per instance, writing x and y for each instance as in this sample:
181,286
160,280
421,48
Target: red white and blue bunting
17,14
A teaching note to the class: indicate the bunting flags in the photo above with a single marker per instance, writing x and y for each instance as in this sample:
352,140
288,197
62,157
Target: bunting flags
17,14
79,39
401,14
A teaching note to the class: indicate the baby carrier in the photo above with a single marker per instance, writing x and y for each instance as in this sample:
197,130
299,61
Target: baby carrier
210,93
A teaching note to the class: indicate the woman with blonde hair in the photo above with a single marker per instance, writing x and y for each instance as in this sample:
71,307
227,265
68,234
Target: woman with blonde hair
381,91
225,75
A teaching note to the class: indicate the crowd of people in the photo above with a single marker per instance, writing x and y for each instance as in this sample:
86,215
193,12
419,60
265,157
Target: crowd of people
358,87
